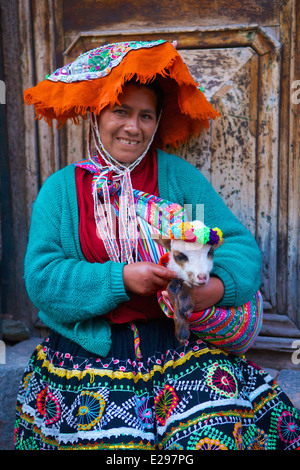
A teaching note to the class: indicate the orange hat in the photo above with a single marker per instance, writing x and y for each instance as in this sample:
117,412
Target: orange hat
96,78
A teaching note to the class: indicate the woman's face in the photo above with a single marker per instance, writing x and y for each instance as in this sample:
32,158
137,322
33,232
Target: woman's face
126,129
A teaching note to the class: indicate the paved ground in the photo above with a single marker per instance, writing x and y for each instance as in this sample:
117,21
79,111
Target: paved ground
17,358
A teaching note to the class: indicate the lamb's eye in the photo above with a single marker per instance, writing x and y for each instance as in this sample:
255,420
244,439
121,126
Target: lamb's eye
180,257
210,254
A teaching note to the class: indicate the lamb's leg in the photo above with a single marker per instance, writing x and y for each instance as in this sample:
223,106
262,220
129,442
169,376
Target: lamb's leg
182,300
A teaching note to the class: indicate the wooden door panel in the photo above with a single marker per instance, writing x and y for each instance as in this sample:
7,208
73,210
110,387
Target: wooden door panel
96,15
239,70
227,77
232,83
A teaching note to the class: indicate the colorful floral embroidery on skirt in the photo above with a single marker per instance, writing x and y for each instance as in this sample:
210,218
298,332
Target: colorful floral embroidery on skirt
181,397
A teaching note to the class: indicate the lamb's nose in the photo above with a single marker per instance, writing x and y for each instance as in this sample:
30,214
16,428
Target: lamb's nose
202,278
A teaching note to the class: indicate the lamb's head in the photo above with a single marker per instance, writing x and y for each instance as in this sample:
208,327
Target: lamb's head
192,247
192,262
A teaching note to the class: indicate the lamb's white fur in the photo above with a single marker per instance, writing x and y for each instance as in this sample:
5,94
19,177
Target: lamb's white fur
193,262
196,270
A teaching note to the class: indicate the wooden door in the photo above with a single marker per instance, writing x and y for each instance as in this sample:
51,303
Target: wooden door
243,54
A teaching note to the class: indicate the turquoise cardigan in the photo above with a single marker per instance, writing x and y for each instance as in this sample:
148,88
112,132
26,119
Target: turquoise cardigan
72,294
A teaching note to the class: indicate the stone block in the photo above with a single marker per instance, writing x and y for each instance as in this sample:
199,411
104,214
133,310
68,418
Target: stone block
16,359
14,330
289,381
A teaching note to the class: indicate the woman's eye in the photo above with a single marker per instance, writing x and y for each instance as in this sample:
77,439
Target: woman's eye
147,116
121,112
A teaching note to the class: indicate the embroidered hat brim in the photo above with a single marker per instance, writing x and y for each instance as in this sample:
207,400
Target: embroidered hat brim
96,78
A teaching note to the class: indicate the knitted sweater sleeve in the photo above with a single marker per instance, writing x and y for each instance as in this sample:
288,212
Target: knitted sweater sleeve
65,287
238,261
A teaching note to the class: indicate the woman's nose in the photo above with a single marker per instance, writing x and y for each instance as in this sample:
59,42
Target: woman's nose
132,124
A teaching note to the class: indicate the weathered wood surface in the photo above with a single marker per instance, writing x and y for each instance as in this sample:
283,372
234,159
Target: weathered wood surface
293,194
245,56
13,169
190,37
27,64
138,14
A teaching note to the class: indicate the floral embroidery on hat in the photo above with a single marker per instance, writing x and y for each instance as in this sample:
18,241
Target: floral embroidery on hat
98,62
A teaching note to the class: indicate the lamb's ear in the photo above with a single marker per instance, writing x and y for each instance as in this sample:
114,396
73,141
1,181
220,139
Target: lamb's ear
219,244
162,240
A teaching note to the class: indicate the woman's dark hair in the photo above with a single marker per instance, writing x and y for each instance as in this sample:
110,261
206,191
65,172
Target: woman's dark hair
155,86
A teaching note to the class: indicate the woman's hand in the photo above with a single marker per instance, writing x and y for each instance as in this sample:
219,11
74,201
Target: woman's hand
206,296
145,278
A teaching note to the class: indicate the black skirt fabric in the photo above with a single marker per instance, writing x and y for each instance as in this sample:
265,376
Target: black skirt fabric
150,393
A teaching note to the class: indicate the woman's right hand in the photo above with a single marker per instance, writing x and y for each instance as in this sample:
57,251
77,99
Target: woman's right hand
145,278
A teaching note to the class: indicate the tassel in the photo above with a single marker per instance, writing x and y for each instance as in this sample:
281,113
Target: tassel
137,341
127,214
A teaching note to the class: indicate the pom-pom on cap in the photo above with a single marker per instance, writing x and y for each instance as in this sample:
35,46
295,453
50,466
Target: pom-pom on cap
195,231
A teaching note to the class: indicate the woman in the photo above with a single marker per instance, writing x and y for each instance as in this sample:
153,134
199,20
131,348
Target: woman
112,375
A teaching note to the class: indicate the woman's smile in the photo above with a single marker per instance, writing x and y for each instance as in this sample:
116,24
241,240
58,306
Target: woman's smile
127,141
127,128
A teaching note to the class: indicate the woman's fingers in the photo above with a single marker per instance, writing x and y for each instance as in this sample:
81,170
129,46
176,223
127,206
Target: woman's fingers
146,278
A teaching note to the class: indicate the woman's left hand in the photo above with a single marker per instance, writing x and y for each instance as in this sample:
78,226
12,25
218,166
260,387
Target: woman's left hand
207,295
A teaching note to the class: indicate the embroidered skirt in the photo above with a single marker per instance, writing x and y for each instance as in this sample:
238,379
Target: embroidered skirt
175,397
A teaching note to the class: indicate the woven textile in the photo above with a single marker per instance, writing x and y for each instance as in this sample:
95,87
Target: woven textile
232,328
98,62
183,397
154,214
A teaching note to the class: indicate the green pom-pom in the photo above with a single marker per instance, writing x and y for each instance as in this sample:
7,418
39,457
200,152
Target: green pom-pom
202,234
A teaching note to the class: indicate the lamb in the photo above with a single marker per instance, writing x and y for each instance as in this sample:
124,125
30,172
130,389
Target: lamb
191,257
